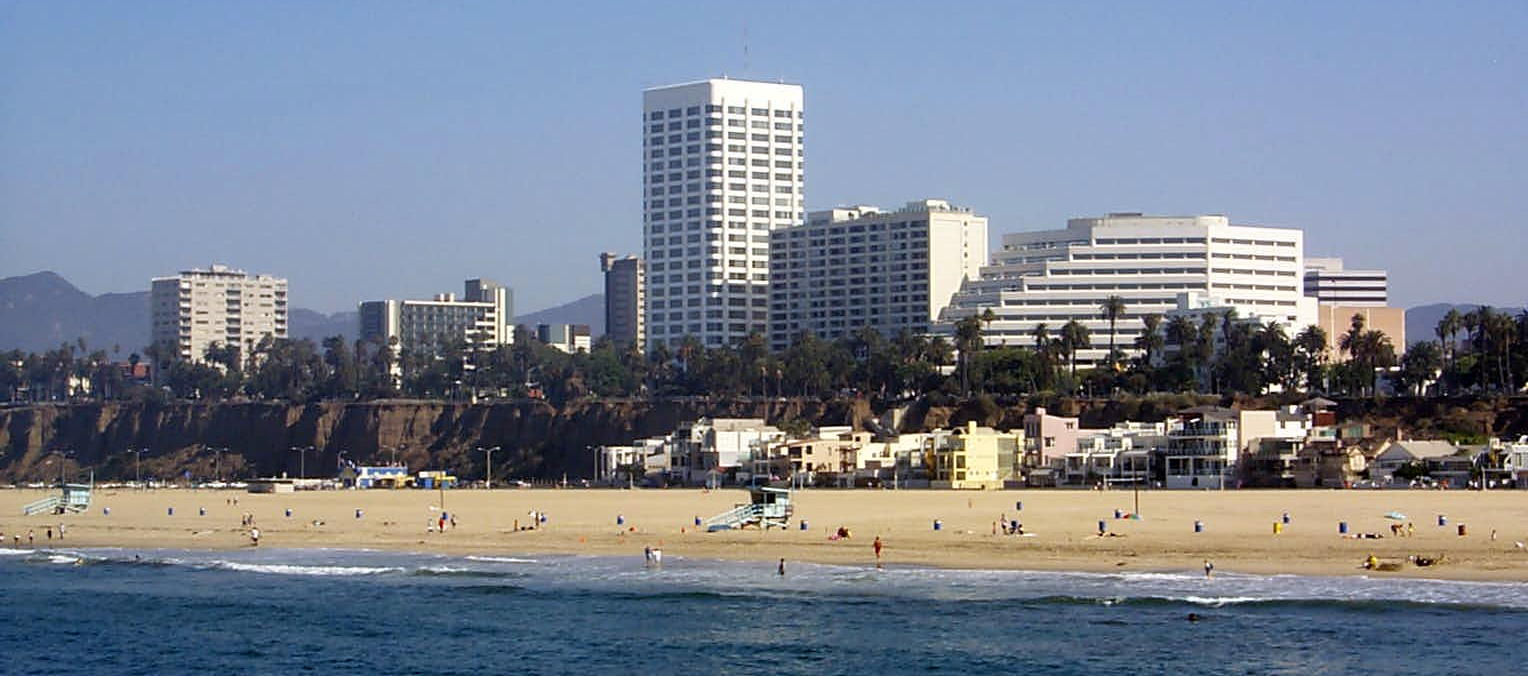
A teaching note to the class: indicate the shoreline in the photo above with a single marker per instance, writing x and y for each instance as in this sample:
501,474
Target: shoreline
1237,536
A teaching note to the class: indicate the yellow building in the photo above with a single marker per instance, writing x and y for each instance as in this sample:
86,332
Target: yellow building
976,457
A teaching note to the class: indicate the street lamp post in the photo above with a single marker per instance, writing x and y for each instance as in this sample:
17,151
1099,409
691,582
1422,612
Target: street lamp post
137,466
302,460
489,451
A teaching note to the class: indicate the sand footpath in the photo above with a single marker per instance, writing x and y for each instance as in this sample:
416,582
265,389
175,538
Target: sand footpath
1237,536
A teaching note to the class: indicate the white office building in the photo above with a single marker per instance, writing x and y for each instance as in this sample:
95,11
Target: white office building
1330,282
1051,277
853,267
197,309
722,168
480,318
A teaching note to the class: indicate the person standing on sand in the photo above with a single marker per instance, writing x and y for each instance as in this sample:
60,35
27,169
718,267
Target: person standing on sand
254,537
61,532
1209,569
877,546
31,537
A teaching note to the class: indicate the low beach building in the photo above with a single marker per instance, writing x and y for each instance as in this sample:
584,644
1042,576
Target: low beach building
1396,455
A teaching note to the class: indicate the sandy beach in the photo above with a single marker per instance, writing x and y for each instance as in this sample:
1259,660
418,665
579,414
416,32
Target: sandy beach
1238,527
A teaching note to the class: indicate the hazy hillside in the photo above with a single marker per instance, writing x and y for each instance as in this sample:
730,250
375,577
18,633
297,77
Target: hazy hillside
41,310
587,310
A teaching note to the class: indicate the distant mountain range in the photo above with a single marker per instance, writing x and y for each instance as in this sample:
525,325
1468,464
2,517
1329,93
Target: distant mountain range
42,310
587,310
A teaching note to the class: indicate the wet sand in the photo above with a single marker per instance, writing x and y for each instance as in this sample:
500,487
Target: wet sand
1238,527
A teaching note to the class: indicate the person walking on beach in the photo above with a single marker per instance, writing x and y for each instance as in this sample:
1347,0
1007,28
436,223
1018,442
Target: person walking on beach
254,537
60,532
782,567
1209,569
31,537
877,546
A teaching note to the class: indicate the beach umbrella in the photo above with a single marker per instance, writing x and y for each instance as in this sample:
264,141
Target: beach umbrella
1395,516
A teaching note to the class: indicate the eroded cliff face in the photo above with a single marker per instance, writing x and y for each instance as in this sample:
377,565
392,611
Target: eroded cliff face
537,441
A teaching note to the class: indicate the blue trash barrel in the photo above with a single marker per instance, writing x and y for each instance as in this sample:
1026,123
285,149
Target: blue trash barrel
1018,506
201,511
1198,526
289,513
803,524
541,516
1117,515
106,511
1342,527
620,519
170,511
1286,518
358,513
1442,520
697,521
1102,526
938,525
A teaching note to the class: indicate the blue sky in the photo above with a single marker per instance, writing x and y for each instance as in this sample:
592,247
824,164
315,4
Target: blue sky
376,149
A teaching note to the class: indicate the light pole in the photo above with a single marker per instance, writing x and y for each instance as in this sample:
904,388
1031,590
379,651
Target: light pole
302,460
217,463
489,451
137,466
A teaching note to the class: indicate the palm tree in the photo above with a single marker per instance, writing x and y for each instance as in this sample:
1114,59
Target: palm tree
1111,310
1447,330
1074,337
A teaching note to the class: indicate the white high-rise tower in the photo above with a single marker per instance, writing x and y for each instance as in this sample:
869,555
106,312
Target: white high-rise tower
722,167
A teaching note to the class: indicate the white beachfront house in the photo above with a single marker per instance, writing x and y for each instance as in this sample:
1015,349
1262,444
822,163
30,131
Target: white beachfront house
1202,447
1121,453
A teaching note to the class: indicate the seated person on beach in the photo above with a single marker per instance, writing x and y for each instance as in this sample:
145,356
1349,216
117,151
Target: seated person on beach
843,532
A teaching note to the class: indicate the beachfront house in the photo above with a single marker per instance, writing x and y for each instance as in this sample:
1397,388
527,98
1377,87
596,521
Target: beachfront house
975,457
898,461
1202,448
710,450
1392,457
1328,463
1122,453
1047,440
1514,462
645,461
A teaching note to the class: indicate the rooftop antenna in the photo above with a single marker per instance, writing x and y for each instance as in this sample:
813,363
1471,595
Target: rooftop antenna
745,47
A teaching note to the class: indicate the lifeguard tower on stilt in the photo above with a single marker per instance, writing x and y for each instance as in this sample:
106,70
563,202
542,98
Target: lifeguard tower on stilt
767,508
71,499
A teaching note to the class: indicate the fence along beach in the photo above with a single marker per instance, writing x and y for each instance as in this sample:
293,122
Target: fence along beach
1241,531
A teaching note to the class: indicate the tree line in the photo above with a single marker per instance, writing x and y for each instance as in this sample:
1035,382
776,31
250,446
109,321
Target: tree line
1216,353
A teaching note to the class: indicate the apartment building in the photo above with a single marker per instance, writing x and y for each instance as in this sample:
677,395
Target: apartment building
623,300
1044,279
197,309
569,338
480,318
861,266
723,166
1329,281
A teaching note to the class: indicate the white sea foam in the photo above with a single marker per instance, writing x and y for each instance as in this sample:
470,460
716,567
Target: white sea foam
63,558
500,559
16,552
292,569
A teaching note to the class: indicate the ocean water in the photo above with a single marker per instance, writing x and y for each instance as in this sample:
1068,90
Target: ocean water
272,611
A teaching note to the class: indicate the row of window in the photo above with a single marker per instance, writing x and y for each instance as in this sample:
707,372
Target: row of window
692,111
679,214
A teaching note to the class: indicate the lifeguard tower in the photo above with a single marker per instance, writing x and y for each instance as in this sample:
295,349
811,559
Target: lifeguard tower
767,508
72,498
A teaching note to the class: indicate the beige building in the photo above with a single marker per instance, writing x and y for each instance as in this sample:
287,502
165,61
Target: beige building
853,267
975,457
197,309
1336,320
